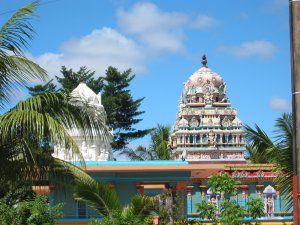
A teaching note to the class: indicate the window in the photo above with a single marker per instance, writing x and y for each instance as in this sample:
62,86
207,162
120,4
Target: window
81,210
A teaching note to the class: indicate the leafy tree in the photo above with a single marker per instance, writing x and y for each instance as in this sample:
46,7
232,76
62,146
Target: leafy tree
255,208
279,152
207,210
42,88
229,212
121,108
159,141
222,183
70,79
30,212
18,193
23,128
101,198
158,148
139,211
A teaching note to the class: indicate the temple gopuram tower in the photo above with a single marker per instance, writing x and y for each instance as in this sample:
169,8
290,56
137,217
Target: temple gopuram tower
207,128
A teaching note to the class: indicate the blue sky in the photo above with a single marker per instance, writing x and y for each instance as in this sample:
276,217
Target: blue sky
246,42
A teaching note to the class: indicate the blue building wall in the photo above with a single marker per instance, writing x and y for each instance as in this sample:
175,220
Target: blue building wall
125,187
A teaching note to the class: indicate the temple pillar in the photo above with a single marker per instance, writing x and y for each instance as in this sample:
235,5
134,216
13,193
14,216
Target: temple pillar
278,202
203,189
181,187
189,190
244,188
201,138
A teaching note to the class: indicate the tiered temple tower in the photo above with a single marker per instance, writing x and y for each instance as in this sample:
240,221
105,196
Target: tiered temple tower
207,128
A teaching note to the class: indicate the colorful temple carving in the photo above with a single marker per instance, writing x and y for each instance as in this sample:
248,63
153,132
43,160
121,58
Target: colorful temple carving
207,127
207,139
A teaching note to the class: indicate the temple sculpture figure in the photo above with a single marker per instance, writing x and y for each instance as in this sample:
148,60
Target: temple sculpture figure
207,127
92,149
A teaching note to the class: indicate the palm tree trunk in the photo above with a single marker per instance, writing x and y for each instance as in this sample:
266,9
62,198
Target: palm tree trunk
295,57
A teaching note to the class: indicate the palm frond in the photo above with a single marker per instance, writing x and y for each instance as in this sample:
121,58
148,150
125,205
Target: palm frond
15,69
96,194
132,154
284,141
263,150
16,32
140,207
259,141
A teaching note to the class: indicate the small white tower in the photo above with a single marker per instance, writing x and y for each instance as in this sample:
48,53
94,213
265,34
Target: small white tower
92,149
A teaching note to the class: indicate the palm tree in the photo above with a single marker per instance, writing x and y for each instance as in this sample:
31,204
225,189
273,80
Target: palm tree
100,197
29,130
15,69
141,153
263,149
159,141
158,148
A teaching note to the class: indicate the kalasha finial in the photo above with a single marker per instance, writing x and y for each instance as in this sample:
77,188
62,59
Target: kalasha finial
204,61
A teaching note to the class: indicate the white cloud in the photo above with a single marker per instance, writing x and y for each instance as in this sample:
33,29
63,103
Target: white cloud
145,17
261,49
158,30
97,50
280,104
145,32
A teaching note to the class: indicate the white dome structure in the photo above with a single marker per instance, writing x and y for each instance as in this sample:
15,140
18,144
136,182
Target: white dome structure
84,93
92,149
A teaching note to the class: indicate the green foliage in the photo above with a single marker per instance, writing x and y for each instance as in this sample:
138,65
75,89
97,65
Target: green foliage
255,208
97,195
121,108
104,200
30,129
118,219
140,210
30,212
222,183
206,210
158,148
70,79
30,125
169,208
280,152
16,70
13,195
42,88
159,141
231,213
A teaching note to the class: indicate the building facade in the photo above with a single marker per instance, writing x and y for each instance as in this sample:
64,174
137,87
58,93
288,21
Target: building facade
207,139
